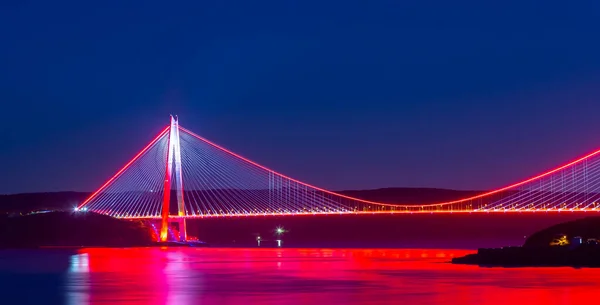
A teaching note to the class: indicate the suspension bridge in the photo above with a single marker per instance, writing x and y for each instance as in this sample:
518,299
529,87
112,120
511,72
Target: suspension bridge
180,175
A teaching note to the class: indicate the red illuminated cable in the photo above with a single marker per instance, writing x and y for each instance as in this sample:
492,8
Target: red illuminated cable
107,183
387,204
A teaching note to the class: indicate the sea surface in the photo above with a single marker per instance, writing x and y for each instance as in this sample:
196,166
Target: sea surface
234,276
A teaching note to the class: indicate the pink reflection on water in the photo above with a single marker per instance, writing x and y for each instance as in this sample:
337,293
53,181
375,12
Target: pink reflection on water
315,276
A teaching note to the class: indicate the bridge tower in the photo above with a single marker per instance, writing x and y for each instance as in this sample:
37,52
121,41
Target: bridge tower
173,159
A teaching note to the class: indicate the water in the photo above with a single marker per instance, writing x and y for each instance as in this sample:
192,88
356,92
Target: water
279,276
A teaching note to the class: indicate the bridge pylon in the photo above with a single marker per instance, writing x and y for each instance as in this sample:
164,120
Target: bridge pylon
173,168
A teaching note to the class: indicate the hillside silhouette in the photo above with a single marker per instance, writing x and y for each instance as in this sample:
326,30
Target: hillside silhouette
399,230
71,229
588,227
26,202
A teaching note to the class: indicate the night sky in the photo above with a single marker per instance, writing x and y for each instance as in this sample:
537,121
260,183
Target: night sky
340,94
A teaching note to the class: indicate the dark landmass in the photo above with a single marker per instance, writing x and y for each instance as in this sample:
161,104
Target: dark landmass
56,229
69,200
464,231
449,231
410,195
442,231
583,256
573,243
16,203
588,227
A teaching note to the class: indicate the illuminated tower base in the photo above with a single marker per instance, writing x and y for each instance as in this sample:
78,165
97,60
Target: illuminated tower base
173,157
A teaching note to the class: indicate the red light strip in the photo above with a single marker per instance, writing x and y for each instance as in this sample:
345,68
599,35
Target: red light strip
107,183
388,204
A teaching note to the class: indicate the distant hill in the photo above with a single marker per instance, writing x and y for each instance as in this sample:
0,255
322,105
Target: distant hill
572,243
68,200
71,229
40,201
588,227
410,195
399,230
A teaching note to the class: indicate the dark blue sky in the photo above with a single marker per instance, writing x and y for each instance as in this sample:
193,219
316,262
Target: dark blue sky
341,94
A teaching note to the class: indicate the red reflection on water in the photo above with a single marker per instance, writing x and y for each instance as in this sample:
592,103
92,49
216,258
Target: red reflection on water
312,276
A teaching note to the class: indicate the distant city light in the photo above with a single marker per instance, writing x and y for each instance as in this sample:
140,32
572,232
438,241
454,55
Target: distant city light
279,230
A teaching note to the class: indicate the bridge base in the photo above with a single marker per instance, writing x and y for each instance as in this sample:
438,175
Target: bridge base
181,228
175,230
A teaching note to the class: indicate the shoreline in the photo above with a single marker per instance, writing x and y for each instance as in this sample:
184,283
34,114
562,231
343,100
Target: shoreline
515,257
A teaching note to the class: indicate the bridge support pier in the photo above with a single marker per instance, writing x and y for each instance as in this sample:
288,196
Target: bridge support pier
182,228
173,229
